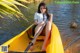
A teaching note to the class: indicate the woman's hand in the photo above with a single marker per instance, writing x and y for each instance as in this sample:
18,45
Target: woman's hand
43,49
42,23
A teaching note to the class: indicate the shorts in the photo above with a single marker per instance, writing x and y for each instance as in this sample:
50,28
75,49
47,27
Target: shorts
33,30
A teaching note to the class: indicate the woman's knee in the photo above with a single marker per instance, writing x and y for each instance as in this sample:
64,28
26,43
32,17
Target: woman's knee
48,26
37,28
49,22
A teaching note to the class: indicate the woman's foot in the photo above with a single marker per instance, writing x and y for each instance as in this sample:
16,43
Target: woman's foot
43,48
31,48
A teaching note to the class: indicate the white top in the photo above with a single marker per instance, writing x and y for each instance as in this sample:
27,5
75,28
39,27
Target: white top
39,17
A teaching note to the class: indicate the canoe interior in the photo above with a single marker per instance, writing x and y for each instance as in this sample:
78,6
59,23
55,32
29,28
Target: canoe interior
20,42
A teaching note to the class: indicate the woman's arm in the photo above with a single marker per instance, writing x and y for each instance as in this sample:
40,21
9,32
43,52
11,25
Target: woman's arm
51,16
35,22
40,24
35,18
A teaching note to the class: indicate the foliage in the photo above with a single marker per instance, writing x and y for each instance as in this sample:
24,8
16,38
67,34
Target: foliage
10,8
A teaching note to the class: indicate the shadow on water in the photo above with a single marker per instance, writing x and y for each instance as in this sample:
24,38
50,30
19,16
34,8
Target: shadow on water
64,14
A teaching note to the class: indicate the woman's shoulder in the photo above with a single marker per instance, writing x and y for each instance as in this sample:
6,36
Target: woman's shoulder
50,14
36,13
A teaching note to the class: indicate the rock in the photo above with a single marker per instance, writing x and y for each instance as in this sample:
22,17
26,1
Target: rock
73,25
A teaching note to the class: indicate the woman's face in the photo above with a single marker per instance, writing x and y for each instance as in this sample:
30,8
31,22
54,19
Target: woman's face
42,9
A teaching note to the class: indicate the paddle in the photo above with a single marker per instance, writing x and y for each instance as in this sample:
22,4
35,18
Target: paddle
35,37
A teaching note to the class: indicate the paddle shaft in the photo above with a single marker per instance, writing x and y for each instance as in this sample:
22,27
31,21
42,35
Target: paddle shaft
35,37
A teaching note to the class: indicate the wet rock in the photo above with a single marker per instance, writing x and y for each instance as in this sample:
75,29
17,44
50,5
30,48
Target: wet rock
73,25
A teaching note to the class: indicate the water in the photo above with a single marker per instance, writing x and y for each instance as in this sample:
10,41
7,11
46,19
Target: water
64,14
10,28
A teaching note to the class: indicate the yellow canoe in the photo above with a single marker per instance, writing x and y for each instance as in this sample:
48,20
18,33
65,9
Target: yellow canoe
20,42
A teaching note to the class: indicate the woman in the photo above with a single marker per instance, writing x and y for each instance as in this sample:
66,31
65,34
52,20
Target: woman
41,17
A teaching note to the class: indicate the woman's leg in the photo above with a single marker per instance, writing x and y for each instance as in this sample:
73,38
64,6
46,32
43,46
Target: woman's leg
47,35
37,30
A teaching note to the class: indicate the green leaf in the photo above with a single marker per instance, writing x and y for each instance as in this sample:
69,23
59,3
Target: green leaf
9,8
5,13
1,16
15,2
25,1
11,4
5,5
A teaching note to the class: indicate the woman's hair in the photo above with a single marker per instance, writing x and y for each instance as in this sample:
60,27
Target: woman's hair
43,4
